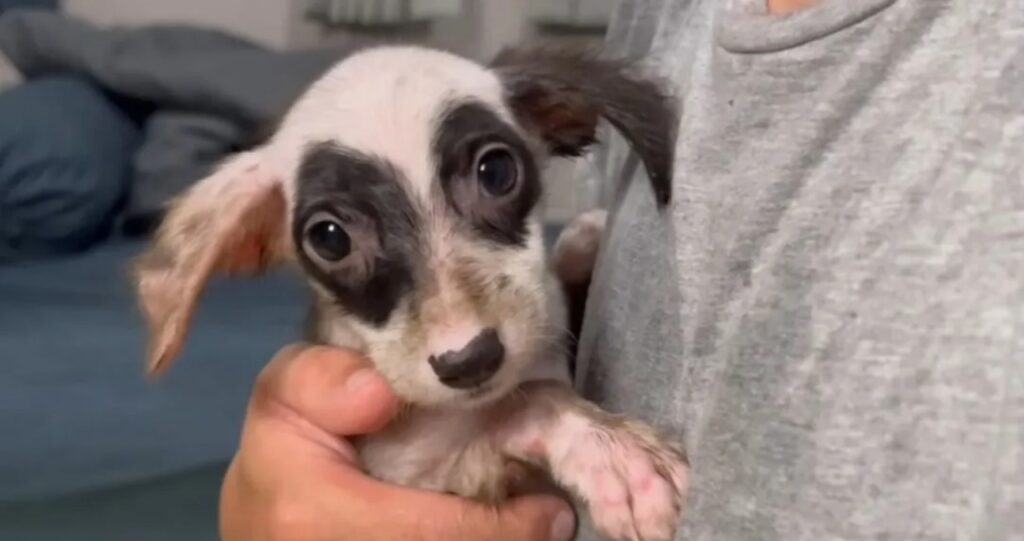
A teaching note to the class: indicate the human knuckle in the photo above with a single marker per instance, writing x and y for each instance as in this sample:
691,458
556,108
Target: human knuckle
291,520
444,526
266,383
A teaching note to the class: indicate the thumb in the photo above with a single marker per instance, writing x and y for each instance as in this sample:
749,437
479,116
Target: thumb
334,389
529,518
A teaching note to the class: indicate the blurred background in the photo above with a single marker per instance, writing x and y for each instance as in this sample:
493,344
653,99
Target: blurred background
109,108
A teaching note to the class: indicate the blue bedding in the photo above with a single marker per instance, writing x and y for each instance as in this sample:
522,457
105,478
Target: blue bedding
207,93
65,154
89,448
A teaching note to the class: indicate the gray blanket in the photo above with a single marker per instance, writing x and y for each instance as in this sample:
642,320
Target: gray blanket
206,93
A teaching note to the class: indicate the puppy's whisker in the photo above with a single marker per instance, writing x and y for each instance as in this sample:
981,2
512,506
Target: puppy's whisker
405,410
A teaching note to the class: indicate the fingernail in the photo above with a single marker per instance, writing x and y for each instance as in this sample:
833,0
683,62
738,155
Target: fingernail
360,379
564,526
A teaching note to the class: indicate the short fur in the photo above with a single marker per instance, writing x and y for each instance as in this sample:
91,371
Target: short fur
386,147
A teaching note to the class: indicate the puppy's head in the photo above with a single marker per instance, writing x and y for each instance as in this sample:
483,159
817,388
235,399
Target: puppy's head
405,184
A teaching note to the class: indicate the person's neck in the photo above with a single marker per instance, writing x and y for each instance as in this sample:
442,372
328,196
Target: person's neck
781,7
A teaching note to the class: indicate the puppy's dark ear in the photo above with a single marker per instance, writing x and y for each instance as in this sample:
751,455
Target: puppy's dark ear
562,94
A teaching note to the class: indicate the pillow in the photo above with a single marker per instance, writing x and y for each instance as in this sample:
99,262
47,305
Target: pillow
65,152
39,4
9,75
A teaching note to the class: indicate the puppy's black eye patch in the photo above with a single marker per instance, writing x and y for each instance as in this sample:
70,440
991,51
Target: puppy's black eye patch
487,173
356,230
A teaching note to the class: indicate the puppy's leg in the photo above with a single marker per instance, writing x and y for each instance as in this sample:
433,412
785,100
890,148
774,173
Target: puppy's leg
572,261
575,251
633,483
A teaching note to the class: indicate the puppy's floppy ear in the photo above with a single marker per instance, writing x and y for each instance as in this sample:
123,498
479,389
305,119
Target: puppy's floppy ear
563,94
231,221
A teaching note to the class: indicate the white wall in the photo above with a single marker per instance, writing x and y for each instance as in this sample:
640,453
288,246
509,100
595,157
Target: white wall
265,21
483,27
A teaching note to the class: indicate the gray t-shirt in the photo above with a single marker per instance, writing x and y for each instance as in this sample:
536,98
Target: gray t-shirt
830,316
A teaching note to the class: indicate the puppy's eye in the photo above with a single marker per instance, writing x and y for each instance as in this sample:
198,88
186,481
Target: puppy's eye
497,170
327,237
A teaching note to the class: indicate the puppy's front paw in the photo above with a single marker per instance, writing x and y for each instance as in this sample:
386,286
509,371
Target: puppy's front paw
633,483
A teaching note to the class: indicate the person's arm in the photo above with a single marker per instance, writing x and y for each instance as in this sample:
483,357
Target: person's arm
295,477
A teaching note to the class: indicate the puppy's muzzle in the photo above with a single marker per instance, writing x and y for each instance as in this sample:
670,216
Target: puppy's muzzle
471,365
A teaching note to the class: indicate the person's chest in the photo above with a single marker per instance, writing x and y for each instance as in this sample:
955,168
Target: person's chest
806,157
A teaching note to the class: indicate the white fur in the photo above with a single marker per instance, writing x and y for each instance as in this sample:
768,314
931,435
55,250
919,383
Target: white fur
382,101
386,102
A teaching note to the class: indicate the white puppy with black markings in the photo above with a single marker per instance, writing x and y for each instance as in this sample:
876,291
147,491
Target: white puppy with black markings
405,184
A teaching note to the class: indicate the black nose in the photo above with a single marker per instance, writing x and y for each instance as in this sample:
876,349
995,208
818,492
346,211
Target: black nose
471,365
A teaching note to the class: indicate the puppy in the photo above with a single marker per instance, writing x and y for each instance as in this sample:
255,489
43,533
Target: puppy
405,185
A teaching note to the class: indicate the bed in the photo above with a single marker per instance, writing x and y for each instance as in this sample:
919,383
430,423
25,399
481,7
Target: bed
99,128
93,450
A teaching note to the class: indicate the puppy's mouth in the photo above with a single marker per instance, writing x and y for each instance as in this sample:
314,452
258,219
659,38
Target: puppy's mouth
470,375
468,394
479,391
481,394
475,397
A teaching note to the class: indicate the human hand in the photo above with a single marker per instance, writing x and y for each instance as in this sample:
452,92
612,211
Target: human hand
295,477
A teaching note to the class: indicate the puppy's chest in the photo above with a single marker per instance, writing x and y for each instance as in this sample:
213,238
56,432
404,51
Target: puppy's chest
440,451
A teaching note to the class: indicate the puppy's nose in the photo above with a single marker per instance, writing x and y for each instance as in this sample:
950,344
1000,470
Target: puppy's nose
472,365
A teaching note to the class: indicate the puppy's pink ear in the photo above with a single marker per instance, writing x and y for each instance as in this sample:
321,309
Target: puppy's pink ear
231,221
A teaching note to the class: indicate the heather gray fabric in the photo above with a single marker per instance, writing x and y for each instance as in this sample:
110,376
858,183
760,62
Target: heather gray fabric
831,315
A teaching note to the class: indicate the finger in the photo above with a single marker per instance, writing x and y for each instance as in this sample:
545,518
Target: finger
392,512
334,389
534,518
233,521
